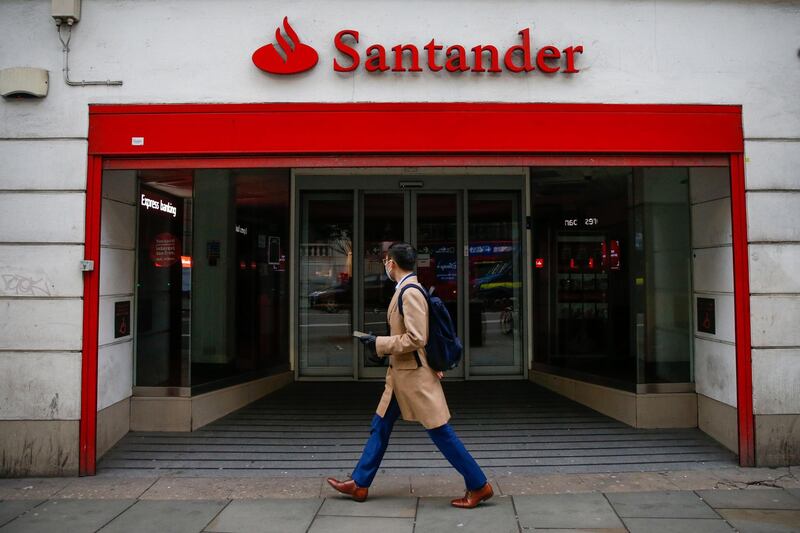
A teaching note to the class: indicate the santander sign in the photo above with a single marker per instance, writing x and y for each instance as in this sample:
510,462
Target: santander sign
295,56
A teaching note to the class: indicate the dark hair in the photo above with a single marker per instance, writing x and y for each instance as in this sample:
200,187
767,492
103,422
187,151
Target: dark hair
403,254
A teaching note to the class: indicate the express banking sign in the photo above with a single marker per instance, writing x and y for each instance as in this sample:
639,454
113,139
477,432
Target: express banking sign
295,56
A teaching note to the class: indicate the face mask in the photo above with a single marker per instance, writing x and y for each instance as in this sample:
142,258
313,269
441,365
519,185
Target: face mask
388,274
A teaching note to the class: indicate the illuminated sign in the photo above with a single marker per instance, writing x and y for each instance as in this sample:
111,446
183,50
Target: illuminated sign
581,222
165,250
158,205
292,56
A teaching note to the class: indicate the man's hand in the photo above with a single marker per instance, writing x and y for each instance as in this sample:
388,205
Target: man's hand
439,374
369,348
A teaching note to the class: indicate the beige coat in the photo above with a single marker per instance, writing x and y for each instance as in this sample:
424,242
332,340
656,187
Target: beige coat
417,389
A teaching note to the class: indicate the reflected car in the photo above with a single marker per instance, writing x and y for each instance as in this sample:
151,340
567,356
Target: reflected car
496,286
331,299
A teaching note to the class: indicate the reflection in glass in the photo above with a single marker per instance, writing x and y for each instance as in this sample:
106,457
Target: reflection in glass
437,241
383,225
662,210
612,276
495,337
163,284
213,277
581,274
326,284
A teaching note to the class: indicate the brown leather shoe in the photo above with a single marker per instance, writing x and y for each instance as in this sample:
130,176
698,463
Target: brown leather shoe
350,488
473,497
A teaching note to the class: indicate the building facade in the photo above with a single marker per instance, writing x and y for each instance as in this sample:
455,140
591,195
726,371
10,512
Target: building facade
605,195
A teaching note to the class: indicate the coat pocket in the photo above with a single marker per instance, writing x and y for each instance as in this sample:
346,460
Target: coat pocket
404,361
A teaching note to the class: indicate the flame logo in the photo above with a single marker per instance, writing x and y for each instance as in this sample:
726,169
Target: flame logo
297,58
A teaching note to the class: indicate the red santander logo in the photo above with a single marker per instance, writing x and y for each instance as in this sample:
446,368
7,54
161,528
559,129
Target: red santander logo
297,57
520,57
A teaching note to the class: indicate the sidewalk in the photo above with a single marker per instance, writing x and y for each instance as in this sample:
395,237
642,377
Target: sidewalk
747,500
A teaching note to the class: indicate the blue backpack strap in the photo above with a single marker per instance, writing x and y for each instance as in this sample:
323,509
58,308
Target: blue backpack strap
403,290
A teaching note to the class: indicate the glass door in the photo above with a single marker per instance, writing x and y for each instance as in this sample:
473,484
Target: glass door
436,231
470,249
495,284
325,297
430,222
383,223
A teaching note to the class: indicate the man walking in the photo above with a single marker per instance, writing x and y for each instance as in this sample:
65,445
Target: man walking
413,389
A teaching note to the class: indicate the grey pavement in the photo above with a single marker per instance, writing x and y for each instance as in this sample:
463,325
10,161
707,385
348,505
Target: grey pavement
745,500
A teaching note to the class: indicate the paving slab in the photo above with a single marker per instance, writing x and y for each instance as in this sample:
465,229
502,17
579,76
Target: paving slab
93,488
258,488
189,488
11,509
566,511
750,499
692,479
175,516
519,485
762,520
674,504
31,488
382,486
583,530
386,507
74,516
344,524
628,482
436,515
428,486
677,525
266,516
794,492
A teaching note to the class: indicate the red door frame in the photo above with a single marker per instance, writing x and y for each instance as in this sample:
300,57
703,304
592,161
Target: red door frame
412,134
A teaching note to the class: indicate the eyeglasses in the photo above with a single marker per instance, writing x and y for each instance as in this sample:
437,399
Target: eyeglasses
386,260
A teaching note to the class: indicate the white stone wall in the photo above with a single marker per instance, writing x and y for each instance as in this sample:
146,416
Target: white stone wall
714,354
117,266
663,51
41,285
773,202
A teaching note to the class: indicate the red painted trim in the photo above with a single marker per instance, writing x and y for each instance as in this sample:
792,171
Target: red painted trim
741,281
423,134
314,107
414,161
419,129
91,300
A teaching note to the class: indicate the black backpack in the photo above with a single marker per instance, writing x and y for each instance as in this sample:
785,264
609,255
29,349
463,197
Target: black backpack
444,348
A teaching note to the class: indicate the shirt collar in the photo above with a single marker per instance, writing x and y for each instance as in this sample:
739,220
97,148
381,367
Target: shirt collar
404,278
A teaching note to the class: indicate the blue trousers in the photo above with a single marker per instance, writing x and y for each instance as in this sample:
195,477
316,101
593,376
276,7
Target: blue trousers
444,437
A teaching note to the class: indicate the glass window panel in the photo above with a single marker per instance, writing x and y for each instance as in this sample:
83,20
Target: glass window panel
495,282
226,299
582,286
163,305
326,284
662,196
437,241
612,274
383,225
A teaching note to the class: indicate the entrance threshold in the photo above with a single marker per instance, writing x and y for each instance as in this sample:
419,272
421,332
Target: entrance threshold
511,427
